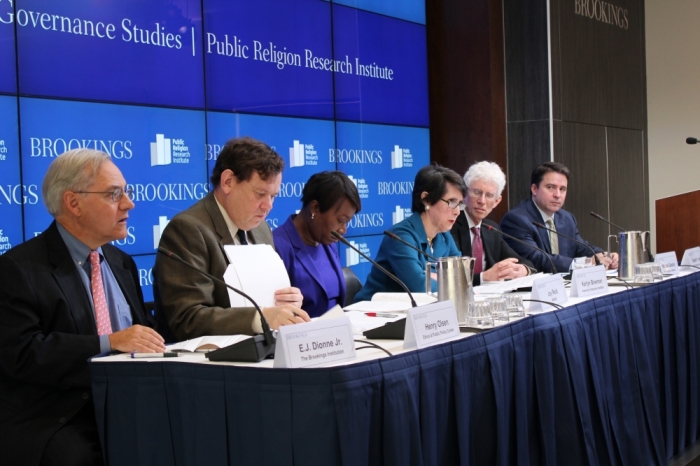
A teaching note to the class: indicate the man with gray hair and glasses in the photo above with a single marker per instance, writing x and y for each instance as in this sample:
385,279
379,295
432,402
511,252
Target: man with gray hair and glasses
66,296
473,233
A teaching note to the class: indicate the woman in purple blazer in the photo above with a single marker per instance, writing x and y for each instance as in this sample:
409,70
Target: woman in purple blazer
306,245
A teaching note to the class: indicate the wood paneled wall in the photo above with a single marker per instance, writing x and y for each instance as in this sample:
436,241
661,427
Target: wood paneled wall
592,116
520,82
467,89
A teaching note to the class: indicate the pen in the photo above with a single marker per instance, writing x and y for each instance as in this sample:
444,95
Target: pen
380,314
154,355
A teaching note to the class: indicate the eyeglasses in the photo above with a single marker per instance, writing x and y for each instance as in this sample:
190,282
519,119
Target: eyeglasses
117,194
452,203
477,193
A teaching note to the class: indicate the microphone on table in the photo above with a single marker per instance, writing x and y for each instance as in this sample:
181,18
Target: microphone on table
595,257
551,262
253,349
600,217
691,140
397,238
391,330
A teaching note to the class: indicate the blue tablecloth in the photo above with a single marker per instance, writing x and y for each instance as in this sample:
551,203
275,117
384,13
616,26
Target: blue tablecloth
609,381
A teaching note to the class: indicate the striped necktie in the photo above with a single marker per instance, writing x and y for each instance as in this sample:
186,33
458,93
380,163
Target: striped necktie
553,237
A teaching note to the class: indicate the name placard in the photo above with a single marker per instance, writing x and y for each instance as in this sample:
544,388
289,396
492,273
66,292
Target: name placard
549,288
691,257
430,324
314,344
668,261
589,281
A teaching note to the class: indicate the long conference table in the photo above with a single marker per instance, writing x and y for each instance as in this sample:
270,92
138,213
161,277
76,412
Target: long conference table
613,380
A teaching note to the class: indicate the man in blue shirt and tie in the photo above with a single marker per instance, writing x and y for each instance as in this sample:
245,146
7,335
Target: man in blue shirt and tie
65,296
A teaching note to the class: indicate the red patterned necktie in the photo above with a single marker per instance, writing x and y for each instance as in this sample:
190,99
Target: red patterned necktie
104,326
477,251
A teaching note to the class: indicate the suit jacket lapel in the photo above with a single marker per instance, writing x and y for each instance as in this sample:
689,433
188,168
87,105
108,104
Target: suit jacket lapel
465,238
302,255
68,278
488,239
537,217
219,223
217,219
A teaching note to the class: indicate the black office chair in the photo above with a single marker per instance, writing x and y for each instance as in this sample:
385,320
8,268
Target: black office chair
352,285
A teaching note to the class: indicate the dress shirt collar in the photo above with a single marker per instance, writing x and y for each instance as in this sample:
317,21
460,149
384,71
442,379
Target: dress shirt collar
545,217
78,251
232,228
471,222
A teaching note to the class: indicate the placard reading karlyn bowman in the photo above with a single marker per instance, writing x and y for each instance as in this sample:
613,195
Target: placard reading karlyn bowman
430,324
589,281
315,344
550,289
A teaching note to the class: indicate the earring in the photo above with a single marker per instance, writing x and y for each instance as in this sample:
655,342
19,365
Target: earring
312,215
427,207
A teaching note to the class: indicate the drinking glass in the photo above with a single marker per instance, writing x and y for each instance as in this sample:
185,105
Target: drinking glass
515,305
582,263
643,274
657,273
479,314
499,310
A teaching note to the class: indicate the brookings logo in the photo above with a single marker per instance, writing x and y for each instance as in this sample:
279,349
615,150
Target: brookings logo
401,158
399,214
302,154
3,150
352,257
158,230
166,151
361,185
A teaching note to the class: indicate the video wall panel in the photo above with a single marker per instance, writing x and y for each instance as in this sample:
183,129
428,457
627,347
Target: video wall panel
382,161
8,76
13,194
302,143
387,80
128,77
145,52
160,152
410,10
269,56
369,245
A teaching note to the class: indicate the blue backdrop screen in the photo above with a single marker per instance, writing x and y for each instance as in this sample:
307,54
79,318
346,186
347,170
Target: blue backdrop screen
302,143
126,51
382,161
8,76
329,85
160,152
389,82
410,10
260,57
13,194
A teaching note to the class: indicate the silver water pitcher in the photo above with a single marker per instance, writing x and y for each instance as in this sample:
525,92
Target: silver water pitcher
454,281
634,249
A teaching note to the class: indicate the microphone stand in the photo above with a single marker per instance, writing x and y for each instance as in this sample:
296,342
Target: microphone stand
397,238
595,257
253,349
551,262
391,330
600,217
